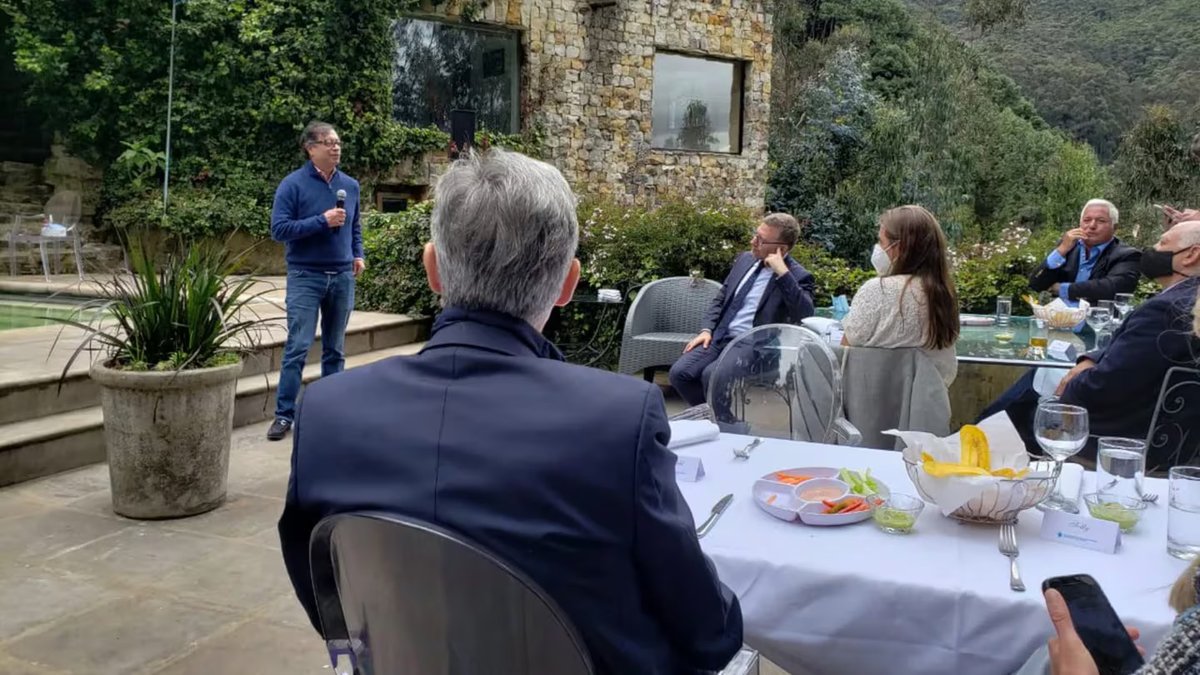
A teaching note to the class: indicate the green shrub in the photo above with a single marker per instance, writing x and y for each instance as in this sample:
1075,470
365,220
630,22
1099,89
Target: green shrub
195,212
394,280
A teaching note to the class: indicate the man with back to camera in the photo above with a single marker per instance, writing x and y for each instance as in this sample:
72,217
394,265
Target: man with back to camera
1090,262
560,470
316,215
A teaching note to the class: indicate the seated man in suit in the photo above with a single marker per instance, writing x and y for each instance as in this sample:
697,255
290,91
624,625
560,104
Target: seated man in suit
1119,384
1090,263
766,285
560,470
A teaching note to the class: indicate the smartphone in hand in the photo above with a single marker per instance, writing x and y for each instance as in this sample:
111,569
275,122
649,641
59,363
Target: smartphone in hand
1097,624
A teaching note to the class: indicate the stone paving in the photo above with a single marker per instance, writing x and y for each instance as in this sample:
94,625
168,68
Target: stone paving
86,592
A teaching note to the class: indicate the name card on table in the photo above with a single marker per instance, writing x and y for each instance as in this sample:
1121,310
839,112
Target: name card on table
1082,531
1062,351
688,469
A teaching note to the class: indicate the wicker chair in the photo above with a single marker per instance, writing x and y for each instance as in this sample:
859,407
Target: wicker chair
665,315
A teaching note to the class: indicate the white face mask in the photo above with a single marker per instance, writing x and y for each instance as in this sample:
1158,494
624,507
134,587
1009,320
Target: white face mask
881,261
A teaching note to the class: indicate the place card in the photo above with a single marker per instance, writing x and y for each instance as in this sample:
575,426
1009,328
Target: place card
688,469
1062,350
1083,531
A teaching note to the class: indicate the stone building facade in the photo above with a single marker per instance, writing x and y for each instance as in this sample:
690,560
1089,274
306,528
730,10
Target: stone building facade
588,80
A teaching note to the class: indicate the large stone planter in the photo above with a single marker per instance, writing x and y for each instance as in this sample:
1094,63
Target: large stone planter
167,438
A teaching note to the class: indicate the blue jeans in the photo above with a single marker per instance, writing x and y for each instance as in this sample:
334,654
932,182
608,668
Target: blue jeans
309,294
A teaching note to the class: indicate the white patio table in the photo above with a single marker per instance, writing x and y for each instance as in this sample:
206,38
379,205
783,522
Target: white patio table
853,600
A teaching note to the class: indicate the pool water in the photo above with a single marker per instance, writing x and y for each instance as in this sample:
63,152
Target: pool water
20,313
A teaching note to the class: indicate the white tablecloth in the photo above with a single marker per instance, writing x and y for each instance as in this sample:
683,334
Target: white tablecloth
853,600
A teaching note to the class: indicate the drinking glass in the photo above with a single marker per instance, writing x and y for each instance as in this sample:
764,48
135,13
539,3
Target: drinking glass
1123,304
1120,467
1004,331
1061,431
1098,318
1183,512
1039,339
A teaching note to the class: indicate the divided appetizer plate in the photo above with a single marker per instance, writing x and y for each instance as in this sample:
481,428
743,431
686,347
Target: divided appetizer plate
783,495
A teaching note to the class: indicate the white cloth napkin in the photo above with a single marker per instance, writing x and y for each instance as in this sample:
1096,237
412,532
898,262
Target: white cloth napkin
1004,443
819,324
690,432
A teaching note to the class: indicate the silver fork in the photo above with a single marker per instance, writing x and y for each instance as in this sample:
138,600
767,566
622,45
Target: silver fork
1008,546
744,453
1148,497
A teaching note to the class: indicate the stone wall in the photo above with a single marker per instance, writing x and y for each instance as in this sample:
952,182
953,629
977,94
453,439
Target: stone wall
587,79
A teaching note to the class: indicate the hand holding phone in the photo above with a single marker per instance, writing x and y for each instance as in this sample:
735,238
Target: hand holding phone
1091,637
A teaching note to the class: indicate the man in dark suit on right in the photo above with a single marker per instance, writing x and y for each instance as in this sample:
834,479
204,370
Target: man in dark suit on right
562,471
1090,263
1119,384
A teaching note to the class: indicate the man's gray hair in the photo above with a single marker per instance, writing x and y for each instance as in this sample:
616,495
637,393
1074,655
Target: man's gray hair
787,226
505,231
313,132
1113,214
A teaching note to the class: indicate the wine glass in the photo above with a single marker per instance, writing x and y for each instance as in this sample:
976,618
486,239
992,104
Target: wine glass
1123,303
1061,430
1098,318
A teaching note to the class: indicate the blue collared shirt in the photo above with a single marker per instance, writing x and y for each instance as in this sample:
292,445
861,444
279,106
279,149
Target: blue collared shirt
1087,263
744,319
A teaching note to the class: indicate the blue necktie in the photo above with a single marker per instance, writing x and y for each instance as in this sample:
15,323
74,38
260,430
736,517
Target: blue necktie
735,305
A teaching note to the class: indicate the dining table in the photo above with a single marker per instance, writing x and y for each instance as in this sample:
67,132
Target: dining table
853,599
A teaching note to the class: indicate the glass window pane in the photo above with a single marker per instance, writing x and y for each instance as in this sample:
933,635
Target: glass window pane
697,103
439,67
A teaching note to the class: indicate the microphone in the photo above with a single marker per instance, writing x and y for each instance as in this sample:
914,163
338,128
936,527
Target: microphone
341,199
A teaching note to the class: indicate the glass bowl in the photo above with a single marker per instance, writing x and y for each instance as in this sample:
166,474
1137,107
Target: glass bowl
1124,511
999,502
898,513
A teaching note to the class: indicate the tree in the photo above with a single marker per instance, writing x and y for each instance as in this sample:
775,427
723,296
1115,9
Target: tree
696,131
1154,162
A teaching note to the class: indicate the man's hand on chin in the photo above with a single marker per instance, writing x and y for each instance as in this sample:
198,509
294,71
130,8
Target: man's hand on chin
776,263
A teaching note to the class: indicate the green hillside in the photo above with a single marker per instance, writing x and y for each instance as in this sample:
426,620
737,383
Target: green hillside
1091,66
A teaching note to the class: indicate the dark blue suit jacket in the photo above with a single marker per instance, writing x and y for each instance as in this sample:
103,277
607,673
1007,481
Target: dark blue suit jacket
1121,390
788,298
561,470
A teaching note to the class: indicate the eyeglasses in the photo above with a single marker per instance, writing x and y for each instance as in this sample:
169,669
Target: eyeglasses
757,239
329,143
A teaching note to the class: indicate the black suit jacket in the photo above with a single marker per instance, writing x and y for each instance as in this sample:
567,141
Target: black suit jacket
787,299
1121,390
561,470
1117,271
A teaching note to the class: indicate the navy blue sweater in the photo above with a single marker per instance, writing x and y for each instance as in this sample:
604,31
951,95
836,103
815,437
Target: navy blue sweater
298,220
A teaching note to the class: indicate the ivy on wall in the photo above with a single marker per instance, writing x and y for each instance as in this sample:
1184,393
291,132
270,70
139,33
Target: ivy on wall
249,74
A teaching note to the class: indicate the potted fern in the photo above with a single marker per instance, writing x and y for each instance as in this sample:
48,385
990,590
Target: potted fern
171,338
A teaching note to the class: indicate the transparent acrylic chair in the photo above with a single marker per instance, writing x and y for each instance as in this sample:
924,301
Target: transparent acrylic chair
780,381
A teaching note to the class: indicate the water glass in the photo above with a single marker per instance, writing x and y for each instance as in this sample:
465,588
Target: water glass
1039,339
1061,430
1003,310
1120,467
1123,304
1183,512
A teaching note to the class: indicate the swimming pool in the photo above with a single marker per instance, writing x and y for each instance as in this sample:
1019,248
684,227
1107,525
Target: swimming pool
30,311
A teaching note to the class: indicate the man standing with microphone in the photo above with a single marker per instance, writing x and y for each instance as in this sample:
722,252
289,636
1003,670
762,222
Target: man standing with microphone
316,215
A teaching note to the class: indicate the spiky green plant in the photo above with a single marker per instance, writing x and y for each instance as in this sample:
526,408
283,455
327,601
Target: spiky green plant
189,311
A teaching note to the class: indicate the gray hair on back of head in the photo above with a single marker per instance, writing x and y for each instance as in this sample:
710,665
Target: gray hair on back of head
1113,214
505,232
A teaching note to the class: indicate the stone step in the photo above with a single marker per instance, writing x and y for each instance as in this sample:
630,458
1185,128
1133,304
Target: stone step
367,332
39,447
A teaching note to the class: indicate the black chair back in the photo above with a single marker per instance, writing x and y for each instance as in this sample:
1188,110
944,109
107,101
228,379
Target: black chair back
398,595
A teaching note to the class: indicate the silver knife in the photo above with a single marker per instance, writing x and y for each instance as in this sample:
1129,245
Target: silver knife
712,517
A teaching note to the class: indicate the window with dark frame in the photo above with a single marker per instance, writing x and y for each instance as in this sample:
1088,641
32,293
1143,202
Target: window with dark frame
438,67
697,103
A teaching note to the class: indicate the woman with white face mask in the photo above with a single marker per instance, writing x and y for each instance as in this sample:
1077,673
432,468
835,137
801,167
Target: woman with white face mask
912,303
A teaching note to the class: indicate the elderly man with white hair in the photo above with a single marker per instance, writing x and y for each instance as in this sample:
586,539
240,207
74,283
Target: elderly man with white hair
1090,262
560,470
1119,384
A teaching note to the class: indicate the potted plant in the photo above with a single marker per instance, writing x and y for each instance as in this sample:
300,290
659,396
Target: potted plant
171,341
